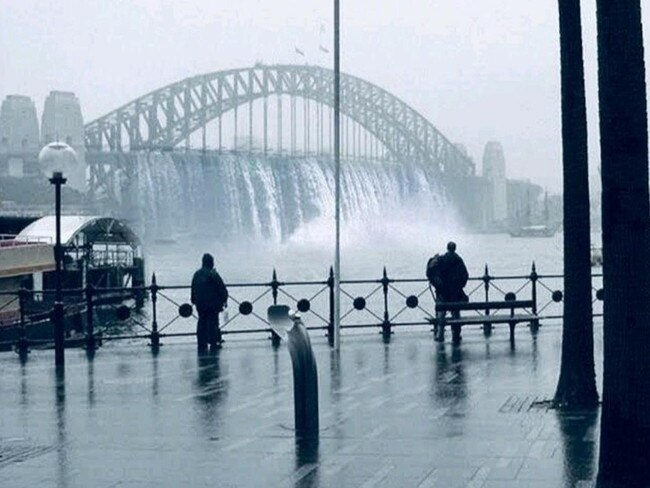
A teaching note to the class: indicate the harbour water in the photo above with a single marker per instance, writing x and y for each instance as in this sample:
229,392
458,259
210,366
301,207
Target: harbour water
402,248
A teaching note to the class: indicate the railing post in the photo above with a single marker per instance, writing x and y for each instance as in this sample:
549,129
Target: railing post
155,336
274,287
90,320
275,284
23,345
386,325
487,327
534,324
330,324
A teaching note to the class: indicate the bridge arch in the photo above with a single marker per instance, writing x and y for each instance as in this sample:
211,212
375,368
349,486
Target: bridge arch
167,116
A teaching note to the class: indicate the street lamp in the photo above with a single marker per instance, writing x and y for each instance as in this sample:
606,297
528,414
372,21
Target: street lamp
59,334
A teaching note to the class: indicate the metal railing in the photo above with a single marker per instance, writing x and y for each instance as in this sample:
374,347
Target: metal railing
95,315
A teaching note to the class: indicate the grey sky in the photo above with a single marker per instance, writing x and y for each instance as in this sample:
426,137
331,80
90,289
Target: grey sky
478,69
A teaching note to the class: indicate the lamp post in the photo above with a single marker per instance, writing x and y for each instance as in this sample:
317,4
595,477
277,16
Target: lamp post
337,180
59,334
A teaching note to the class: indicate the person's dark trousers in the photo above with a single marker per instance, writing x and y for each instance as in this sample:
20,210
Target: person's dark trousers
207,329
455,328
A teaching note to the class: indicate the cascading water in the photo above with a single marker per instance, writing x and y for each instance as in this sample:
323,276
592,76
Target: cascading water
230,195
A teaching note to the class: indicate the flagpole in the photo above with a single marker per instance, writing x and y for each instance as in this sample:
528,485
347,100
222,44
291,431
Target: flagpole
337,182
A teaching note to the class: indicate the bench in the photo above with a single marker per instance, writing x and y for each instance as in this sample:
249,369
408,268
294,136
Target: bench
487,320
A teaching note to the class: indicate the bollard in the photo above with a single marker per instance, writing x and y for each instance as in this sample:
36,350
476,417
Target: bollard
305,374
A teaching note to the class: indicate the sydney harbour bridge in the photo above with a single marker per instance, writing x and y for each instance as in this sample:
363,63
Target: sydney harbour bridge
271,110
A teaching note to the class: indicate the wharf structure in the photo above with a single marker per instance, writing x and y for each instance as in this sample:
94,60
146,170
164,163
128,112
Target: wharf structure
98,252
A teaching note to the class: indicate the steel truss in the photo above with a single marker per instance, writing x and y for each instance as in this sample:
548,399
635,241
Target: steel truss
166,117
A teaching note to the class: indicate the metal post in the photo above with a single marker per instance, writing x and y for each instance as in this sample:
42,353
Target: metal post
330,324
275,284
279,119
487,327
236,104
385,326
534,324
250,111
220,98
203,109
23,345
90,322
155,336
337,178
59,333
266,120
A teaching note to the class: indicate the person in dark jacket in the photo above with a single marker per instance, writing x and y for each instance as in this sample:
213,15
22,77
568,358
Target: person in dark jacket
210,297
448,274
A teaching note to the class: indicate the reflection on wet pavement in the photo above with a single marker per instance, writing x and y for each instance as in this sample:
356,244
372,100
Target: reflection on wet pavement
409,413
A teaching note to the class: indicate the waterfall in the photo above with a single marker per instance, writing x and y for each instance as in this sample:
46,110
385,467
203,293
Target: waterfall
228,195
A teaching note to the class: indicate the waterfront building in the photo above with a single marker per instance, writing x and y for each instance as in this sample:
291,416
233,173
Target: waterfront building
19,136
494,170
62,121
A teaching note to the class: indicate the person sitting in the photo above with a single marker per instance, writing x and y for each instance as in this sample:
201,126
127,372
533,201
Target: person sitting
448,275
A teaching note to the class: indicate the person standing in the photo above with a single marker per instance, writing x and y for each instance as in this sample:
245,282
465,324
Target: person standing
448,275
210,297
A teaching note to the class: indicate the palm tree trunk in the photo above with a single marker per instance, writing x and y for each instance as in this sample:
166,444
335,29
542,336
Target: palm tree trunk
576,387
625,421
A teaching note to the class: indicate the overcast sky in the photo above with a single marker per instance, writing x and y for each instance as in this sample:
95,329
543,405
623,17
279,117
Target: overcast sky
480,70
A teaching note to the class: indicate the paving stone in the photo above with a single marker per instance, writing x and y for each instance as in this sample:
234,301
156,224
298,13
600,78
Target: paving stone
409,414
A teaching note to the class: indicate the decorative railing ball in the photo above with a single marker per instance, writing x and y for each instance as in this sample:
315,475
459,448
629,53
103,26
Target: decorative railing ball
600,294
303,305
510,297
245,308
412,301
122,312
557,296
185,310
359,303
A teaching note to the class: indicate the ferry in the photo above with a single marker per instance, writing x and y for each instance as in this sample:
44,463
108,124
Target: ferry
533,231
99,251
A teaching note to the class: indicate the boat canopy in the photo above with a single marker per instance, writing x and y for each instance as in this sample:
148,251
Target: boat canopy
77,230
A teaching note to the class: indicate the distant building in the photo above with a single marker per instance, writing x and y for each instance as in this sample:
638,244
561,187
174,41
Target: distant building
494,170
62,121
19,136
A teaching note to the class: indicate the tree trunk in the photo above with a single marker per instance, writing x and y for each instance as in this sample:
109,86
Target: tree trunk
625,422
576,387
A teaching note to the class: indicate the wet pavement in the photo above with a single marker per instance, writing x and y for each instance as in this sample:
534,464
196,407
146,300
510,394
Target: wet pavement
409,414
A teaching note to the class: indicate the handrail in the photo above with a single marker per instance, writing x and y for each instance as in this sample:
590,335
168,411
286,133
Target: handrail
383,303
